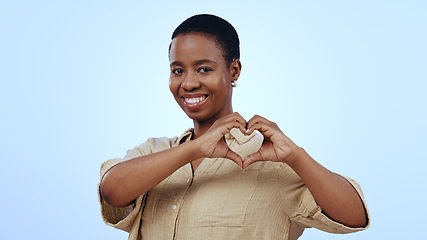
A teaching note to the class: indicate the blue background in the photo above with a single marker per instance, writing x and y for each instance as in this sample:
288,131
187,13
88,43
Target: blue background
84,81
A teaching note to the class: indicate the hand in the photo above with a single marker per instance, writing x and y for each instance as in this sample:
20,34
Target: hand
212,142
276,147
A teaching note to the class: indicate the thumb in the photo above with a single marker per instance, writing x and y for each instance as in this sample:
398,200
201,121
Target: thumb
254,157
230,154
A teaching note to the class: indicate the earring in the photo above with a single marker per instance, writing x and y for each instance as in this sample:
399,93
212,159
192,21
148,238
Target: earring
233,84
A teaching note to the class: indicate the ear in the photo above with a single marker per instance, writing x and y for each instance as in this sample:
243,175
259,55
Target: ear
235,69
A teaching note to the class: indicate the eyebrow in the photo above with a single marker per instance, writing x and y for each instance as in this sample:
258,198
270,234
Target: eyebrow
198,62
176,63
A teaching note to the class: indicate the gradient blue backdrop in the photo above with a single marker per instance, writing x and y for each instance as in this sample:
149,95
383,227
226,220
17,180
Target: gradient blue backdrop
83,81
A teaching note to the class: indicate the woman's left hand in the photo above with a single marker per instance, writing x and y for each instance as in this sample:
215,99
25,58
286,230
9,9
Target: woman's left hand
276,147
337,198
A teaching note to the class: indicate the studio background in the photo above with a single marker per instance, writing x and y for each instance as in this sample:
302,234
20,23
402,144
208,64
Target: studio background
84,81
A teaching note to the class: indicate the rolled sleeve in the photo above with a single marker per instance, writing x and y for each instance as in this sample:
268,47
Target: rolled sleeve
122,217
311,215
128,218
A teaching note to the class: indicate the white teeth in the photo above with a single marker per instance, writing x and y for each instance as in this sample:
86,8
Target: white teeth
194,100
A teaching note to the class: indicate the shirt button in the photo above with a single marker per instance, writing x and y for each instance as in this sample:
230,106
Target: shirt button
174,207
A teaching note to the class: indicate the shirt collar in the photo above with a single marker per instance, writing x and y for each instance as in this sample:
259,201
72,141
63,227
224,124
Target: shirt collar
186,136
241,138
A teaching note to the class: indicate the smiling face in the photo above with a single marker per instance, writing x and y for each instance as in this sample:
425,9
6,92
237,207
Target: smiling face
200,79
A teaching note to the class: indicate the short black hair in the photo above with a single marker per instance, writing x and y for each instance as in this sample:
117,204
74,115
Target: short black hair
213,26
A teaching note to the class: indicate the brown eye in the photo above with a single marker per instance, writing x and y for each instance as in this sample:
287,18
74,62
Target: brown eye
177,71
204,69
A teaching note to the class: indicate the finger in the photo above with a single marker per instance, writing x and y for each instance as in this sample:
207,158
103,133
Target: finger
230,154
234,117
230,122
254,157
258,119
238,118
227,126
265,129
242,127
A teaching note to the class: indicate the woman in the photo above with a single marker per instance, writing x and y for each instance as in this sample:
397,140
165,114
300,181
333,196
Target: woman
222,180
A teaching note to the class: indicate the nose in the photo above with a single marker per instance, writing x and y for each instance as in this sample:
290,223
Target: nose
190,82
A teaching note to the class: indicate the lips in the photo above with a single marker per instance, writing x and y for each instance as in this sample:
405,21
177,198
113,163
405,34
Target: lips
194,102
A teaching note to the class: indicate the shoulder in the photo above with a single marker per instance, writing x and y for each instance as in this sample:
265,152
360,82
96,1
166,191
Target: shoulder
151,145
157,144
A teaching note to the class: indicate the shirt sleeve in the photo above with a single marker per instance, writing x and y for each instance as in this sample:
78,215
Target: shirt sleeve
128,218
305,210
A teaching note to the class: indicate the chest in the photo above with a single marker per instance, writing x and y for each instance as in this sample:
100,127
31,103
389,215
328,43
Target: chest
219,196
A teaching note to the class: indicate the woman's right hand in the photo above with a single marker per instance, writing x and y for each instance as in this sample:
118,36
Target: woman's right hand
212,143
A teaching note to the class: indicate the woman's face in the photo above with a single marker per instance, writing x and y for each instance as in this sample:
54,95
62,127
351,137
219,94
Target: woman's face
200,79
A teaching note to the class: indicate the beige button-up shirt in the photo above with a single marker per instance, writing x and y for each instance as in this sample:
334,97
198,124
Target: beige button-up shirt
268,200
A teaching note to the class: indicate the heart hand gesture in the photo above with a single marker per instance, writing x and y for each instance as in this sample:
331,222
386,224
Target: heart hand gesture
212,142
276,147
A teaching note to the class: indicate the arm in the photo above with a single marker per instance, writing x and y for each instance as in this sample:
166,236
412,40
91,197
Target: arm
126,181
335,195
118,186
